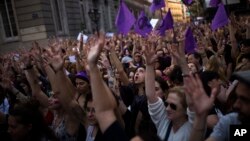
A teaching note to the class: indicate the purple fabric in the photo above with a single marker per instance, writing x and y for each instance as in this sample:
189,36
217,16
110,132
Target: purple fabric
124,19
157,4
220,19
187,2
214,3
82,75
190,43
143,26
166,23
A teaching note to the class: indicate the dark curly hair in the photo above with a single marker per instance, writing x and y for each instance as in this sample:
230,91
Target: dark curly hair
28,113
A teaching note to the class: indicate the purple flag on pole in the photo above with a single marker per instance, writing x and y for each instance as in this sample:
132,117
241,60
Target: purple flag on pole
143,26
124,19
166,23
190,43
157,4
187,2
214,3
220,18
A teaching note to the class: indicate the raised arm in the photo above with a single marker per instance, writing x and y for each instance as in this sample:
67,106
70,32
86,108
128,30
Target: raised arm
150,73
32,78
66,89
103,99
201,105
232,31
6,82
35,87
179,55
117,63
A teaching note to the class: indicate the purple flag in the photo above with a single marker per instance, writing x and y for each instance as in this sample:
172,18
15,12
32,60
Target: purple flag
214,3
143,26
220,18
190,43
166,23
124,19
187,2
157,4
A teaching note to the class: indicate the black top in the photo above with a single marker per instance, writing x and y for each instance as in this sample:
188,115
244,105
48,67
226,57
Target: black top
115,133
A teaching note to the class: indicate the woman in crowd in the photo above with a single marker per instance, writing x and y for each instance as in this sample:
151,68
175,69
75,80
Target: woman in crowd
26,123
169,116
145,99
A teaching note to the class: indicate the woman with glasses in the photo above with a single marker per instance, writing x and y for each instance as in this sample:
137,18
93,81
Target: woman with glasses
169,116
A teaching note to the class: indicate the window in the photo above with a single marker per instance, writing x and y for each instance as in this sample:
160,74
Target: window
59,17
8,21
83,15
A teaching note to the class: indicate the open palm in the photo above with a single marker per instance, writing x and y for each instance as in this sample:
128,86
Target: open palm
150,55
95,49
57,62
201,101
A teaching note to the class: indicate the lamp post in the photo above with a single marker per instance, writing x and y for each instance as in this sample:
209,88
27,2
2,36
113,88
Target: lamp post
227,7
94,15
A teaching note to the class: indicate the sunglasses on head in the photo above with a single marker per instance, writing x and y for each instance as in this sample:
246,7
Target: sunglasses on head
172,106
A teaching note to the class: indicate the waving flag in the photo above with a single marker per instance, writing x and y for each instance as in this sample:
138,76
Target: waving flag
214,3
220,19
166,23
187,2
143,26
157,4
190,43
124,19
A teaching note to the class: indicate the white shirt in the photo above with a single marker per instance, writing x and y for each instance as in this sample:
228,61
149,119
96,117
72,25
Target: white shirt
158,115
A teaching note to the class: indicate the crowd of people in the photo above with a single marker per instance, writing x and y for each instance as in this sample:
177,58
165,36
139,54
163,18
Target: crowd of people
129,87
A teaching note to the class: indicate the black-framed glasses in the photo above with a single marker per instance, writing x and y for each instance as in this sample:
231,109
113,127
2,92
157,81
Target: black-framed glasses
172,106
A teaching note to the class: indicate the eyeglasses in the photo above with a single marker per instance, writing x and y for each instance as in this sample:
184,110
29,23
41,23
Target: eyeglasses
172,106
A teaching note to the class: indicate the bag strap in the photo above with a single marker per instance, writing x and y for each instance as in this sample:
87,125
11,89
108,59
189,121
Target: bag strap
168,131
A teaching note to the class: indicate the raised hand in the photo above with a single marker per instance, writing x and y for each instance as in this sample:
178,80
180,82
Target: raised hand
95,49
54,57
177,52
150,56
105,61
57,62
201,102
25,60
200,49
36,52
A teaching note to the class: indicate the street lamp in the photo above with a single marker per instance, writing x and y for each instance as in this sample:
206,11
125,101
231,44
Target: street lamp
94,15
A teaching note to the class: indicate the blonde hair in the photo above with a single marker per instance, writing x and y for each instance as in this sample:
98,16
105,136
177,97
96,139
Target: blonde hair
215,65
180,91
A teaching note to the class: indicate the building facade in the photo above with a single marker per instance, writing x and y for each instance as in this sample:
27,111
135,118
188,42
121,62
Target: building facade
24,21
178,10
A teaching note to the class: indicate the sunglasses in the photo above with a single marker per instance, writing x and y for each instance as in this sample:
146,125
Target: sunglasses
172,106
